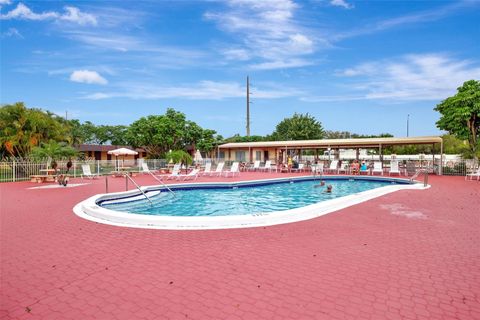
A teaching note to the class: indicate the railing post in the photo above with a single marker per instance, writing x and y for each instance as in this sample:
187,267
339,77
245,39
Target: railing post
98,167
126,182
106,184
74,169
14,168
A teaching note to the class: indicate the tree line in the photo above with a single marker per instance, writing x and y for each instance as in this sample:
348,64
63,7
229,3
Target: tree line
31,131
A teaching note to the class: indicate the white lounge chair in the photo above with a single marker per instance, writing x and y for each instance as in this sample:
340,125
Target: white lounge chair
218,171
344,168
234,170
256,166
301,167
377,168
394,168
333,167
472,175
267,167
174,174
145,168
87,173
317,168
191,175
208,169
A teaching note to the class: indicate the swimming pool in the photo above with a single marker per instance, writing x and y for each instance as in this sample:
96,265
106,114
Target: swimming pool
240,200
235,205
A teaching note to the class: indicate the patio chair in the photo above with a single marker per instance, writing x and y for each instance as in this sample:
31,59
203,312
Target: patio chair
87,173
175,173
472,175
344,168
145,169
208,169
191,175
333,167
256,166
394,168
377,168
301,168
218,171
267,167
317,168
234,170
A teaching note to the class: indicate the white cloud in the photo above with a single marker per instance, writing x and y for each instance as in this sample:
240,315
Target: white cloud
12,32
341,3
23,12
268,32
412,77
71,14
412,18
203,90
236,54
4,2
87,76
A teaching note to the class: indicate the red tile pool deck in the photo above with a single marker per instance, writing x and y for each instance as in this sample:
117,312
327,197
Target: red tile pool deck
407,255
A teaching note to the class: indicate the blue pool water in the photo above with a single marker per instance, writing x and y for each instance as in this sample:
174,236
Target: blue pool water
243,200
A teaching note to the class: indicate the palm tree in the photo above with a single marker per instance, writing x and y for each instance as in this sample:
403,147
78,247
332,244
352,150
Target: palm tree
53,151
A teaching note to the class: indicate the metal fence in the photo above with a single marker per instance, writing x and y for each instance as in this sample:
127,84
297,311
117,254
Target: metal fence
23,170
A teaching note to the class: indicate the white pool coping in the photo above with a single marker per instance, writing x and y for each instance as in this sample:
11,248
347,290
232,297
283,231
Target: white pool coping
88,209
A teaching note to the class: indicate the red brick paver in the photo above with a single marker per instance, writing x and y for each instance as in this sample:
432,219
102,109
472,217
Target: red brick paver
407,255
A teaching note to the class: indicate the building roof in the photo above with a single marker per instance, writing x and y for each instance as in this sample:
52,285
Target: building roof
334,143
102,147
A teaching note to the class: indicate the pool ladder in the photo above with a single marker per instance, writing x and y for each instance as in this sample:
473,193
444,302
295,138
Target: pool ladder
127,177
163,184
425,176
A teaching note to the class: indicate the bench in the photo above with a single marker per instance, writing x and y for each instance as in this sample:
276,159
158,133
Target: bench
40,178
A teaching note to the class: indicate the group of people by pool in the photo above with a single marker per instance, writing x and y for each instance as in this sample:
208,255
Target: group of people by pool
356,167
322,184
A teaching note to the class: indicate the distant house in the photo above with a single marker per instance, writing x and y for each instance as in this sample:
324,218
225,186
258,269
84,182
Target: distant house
100,152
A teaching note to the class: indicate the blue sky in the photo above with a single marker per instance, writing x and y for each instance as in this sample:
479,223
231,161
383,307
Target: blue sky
359,66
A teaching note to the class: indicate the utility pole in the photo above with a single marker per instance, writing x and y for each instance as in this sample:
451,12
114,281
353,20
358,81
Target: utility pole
408,123
66,115
248,107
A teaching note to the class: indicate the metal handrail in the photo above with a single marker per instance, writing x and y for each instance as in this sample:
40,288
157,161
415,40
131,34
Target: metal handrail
425,176
161,182
138,187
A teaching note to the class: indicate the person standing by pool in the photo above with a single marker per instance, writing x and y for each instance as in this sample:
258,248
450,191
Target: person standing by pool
355,167
289,163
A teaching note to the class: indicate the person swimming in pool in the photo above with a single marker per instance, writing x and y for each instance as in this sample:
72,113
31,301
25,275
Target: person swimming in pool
321,184
329,189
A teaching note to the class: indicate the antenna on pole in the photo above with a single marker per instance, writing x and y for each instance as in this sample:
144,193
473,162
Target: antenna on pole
248,107
408,123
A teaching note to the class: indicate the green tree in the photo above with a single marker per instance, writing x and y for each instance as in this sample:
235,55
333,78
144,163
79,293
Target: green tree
239,138
209,141
179,156
298,127
461,115
53,151
117,134
161,133
22,128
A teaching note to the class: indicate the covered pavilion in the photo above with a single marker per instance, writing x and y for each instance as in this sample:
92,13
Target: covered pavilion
277,151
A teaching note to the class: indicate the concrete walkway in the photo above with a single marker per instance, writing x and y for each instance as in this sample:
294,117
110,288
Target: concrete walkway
407,255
